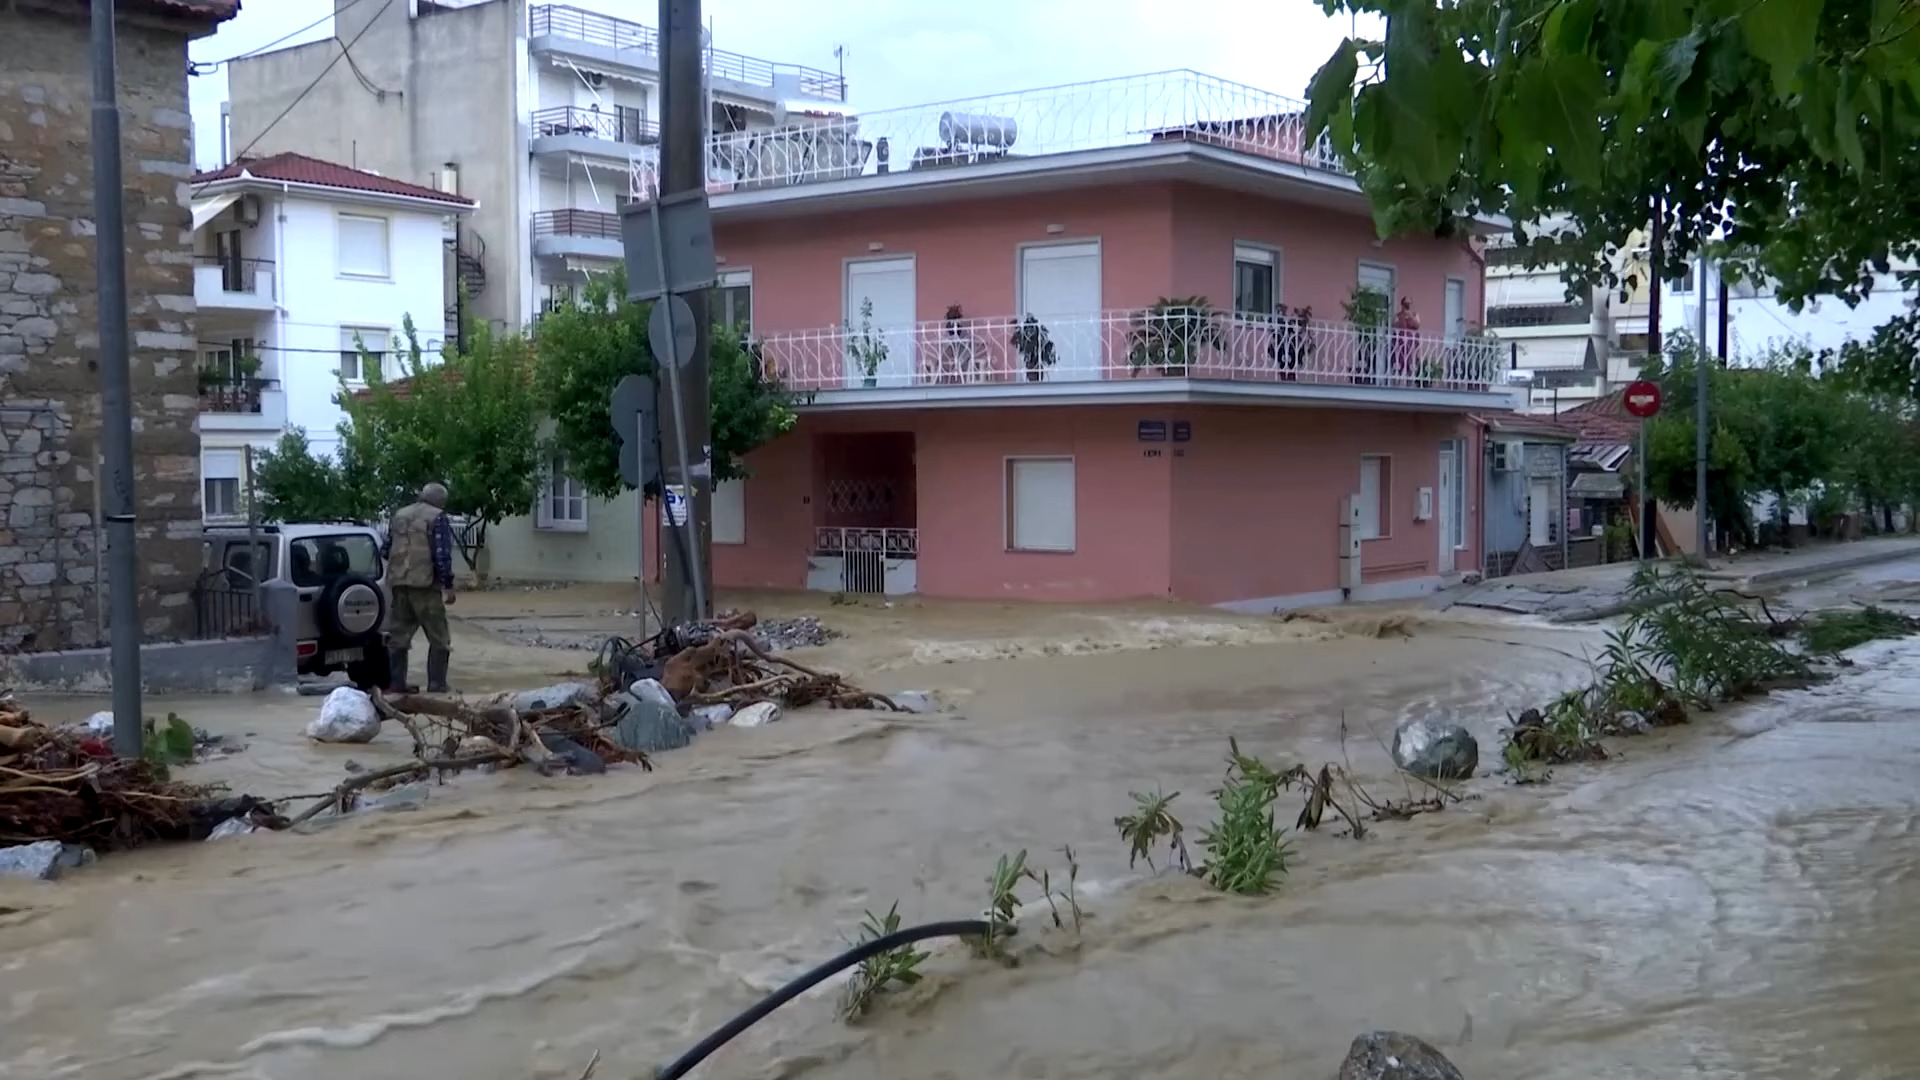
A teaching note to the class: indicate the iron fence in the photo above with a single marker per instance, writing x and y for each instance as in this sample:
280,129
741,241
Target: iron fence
224,609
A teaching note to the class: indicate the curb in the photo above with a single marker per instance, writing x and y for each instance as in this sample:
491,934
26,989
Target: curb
1830,567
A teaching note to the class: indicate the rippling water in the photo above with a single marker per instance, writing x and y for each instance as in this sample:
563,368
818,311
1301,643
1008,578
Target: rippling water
1734,899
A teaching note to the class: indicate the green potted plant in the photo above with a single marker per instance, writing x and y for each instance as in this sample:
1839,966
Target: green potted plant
1292,344
1169,336
246,366
867,349
1367,310
1035,346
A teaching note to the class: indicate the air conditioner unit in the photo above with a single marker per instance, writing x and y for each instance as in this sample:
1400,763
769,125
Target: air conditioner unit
1506,457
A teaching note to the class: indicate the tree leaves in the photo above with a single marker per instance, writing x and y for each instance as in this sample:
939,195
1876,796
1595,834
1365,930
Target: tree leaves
1560,101
1783,33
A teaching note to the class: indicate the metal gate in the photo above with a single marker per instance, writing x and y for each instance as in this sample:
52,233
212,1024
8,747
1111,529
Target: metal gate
878,562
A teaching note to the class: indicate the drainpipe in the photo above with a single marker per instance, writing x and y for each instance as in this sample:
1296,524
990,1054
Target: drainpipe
280,305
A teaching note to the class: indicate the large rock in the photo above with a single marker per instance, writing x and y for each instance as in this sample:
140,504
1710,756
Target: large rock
44,860
1391,1055
347,716
559,695
1436,749
648,726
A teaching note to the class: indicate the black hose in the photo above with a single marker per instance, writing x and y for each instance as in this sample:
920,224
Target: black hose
863,951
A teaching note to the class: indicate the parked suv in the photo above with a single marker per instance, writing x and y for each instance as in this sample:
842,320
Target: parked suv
341,579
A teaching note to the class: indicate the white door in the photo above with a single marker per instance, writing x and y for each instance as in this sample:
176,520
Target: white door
1540,511
1379,278
1373,351
1456,309
1444,512
1060,286
880,338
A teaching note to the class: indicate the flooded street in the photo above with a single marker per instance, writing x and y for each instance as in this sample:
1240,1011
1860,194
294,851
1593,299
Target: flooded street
1735,898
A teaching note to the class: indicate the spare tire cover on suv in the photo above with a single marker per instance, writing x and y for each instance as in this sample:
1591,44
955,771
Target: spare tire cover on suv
352,607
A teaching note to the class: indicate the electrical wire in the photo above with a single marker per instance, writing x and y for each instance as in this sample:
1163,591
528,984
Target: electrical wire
345,47
208,67
962,928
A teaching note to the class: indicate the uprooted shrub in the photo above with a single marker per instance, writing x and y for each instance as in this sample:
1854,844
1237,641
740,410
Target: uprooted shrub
1686,647
1245,849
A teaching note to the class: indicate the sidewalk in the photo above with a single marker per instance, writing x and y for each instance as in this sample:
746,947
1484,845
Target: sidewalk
1588,593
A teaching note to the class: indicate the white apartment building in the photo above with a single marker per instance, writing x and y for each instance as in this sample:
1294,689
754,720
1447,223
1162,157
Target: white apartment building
1757,320
297,260
1564,343
544,109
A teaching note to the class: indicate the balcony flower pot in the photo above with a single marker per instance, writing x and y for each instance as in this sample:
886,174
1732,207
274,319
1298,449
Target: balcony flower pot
867,349
1035,346
1169,336
1367,313
1292,344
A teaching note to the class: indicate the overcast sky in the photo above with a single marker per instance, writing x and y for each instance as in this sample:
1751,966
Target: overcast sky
910,52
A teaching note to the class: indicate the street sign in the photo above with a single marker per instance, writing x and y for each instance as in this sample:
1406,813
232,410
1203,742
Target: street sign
682,238
673,344
632,411
1642,399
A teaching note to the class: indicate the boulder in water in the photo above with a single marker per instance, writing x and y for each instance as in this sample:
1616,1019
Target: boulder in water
43,861
1435,749
648,726
1391,1055
557,696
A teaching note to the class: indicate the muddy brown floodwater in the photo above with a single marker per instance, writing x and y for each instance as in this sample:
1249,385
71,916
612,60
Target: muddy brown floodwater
1738,898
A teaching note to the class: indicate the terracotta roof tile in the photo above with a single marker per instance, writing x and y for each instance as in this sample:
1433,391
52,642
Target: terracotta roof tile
301,169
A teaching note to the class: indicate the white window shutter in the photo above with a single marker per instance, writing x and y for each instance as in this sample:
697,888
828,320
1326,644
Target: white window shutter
1041,504
730,512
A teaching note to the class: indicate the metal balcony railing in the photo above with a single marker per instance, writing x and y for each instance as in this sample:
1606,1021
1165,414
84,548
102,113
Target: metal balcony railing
236,275
560,20
593,224
617,126
1170,106
1510,316
1132,344
222,394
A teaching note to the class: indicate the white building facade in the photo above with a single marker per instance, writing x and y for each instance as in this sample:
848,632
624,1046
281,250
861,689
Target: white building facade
1757,321
298,261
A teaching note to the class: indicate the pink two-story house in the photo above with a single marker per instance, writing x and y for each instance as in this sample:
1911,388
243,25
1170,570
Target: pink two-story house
1119,340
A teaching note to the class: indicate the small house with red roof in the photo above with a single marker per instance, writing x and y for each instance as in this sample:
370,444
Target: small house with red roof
297,263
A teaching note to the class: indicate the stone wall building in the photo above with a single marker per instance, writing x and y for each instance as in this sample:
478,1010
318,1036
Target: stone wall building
52,569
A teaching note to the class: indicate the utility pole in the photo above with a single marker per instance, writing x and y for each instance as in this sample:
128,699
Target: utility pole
1656,283
683,155
116,405
1723,317
116,394
1700,409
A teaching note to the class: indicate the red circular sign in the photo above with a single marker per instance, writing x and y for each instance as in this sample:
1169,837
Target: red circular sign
1642,398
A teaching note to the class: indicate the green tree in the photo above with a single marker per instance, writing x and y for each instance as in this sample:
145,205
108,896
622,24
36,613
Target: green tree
470,422
1885,366
584,349
295,484
1786,129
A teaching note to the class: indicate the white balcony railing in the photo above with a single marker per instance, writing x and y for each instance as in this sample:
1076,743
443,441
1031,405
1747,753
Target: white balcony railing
1169,106
1122,345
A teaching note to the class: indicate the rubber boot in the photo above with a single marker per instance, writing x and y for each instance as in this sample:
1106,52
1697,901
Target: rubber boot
437,661
397,673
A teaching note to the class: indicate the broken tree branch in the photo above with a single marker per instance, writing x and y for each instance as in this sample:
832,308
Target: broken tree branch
338,795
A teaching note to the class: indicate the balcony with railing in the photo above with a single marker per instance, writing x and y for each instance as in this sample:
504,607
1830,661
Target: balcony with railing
240,402
222,282
588,234
1167,107
613,134
1289,356
1521,316
603,37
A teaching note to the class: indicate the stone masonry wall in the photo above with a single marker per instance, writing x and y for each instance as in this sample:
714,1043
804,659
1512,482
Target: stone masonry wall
52,587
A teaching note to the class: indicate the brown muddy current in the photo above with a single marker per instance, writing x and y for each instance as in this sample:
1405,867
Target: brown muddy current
1735,899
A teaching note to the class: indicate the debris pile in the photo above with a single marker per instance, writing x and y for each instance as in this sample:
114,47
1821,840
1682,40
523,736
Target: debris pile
772,635
66,786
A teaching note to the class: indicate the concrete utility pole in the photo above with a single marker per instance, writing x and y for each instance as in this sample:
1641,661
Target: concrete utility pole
116,405
1649,533
1701,364
683,154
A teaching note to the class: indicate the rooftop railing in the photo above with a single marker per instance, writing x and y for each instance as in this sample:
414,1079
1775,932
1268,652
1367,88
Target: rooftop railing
1170,106
560,20
1130,344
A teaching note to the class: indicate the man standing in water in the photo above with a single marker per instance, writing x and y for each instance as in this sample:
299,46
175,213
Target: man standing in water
420,574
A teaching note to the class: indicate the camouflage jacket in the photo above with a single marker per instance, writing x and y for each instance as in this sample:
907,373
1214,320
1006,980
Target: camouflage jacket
420,548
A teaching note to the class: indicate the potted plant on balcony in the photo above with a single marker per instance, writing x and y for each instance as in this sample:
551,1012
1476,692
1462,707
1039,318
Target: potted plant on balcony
1292,344
1366,309
1407,362
1035,346
1169,335
246,385
956,347
867,349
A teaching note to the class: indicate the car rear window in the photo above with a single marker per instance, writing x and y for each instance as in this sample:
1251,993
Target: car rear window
317,560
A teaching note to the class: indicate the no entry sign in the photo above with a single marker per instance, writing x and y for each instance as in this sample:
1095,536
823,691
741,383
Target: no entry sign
1642,398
